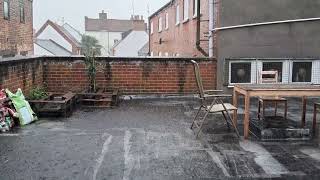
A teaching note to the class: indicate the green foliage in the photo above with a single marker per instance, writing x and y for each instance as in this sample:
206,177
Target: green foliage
38,93
90,45
92,71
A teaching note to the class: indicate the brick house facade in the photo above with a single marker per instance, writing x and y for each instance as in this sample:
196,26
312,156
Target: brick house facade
173,29
16,27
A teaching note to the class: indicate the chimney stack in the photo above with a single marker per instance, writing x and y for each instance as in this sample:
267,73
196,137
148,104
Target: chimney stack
103,15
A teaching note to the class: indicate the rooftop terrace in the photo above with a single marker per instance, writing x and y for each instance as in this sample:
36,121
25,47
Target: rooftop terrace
150,139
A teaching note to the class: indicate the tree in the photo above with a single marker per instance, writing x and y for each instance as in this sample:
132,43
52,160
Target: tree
90,45
90,49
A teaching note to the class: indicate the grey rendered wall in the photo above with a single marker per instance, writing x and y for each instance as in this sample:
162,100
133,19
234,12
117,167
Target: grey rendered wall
297,40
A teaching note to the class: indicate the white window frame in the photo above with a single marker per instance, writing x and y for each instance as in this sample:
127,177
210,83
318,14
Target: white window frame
252,72
291,71
185,10
195,8
151,27
177,14
167,21
160,24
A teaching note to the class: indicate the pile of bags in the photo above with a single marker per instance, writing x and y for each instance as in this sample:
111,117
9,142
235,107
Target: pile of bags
14,107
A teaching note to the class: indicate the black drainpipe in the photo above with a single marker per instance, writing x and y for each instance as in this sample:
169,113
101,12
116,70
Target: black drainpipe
198,31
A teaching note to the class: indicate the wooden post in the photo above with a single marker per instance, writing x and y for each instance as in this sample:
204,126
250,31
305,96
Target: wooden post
246,116
314,124
304,109
235,103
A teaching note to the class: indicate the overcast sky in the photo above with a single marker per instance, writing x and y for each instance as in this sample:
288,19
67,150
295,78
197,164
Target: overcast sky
73,11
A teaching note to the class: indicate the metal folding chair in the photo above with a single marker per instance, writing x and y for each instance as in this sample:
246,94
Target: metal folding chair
217,105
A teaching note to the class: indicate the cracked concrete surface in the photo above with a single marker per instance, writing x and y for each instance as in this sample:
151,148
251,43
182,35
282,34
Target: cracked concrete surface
148,139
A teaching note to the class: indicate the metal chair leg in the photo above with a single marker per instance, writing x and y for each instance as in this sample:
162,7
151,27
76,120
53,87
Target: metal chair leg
203,120
194,120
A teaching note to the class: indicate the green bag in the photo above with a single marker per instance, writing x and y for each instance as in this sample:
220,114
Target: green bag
26,115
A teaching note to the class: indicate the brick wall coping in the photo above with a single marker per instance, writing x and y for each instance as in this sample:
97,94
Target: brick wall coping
13,60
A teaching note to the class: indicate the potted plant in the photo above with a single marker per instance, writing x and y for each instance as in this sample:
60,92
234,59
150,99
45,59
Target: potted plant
94,96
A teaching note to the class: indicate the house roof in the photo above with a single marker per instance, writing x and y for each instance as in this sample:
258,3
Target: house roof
52,47
161,9
144,50
113,25
64,32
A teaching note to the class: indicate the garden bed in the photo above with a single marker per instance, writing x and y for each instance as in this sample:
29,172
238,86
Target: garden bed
100,99
55,104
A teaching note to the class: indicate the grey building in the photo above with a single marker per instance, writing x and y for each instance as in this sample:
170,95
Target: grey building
250,36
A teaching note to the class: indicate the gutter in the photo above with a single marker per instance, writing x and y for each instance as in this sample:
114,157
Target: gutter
211,26
198,30
265,23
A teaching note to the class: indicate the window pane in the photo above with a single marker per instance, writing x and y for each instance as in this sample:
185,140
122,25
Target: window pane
273,66
186,9
240,72
302,72
22,14
177,15
195,4
6,9
167,20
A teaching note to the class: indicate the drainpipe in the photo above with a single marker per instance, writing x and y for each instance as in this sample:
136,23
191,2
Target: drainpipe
198,31
211,26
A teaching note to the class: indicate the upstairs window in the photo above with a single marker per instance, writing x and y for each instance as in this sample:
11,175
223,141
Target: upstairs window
301,71
160,24
22,13
6,9
185,10
151,27
240,72
195,7
167,21
177,14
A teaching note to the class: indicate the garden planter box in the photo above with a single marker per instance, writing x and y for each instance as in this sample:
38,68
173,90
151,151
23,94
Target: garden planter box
55,104
100,99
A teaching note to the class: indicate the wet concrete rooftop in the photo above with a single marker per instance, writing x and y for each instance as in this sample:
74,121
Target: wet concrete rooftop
150,139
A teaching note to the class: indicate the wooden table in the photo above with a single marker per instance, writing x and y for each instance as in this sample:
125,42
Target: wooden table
284,90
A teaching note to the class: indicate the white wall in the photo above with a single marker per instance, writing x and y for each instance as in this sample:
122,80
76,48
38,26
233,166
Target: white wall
106,40
51,33
130,46
39,51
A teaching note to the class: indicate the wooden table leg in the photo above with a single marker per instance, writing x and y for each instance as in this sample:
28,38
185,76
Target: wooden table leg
314,124
246,116
235,103
304,109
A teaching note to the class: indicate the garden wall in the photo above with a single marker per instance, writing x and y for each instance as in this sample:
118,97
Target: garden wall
129,75
21,73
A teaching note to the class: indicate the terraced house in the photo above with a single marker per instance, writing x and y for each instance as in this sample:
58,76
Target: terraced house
16,27
180,28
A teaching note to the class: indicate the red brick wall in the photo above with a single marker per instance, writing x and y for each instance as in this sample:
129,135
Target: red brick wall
16,37
180,38
131,76
24,74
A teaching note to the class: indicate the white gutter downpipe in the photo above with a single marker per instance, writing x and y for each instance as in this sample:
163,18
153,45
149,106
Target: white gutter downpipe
211,26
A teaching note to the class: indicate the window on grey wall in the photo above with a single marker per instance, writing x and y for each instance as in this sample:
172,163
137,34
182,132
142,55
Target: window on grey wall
273,66
6,9
22,13
301,71
240,72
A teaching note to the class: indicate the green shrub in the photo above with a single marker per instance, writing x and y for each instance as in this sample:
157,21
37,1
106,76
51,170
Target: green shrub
38,93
